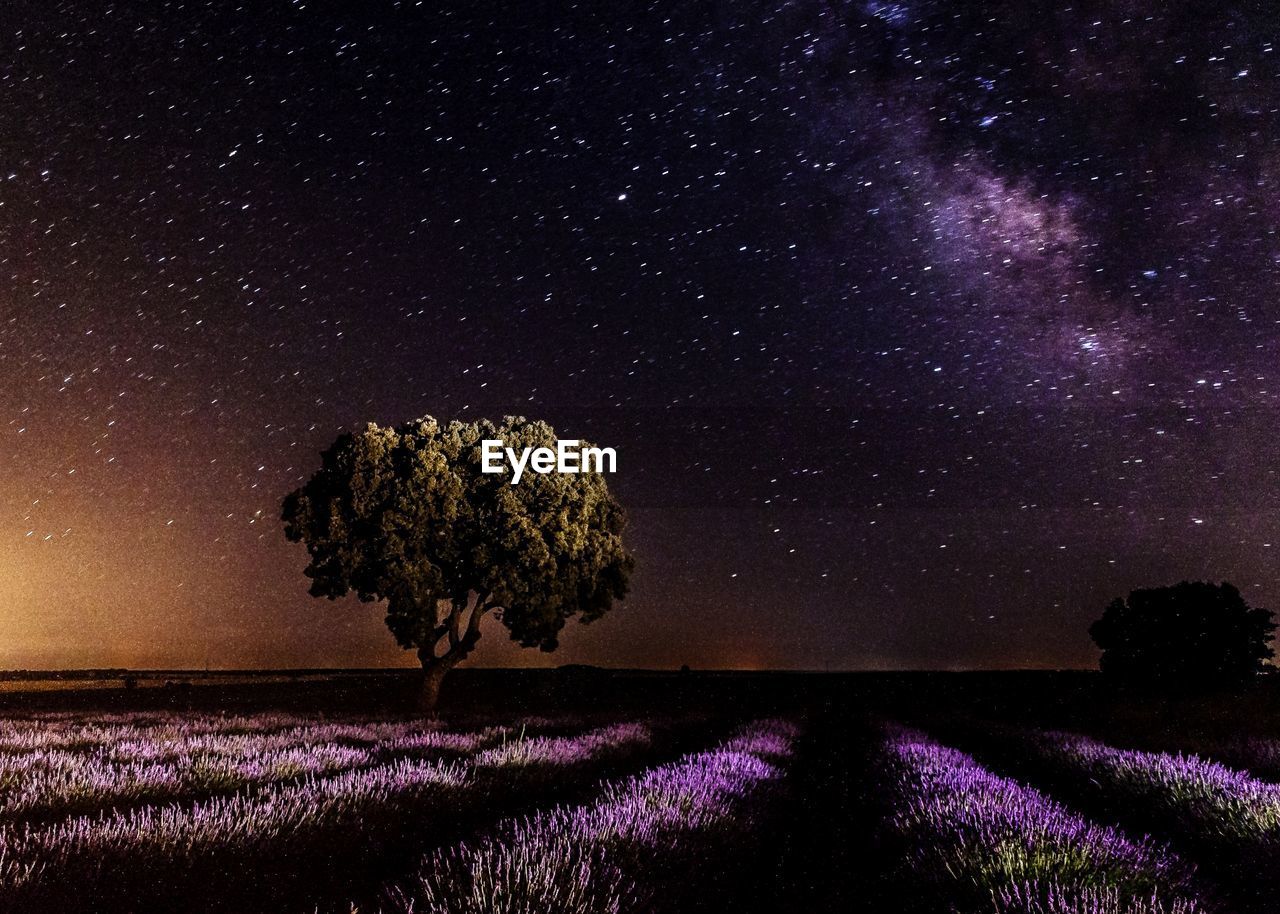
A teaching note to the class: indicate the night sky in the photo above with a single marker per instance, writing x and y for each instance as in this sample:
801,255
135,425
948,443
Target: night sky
921,330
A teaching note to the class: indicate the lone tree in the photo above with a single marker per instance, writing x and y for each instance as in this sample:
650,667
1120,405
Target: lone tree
405,515
1186,636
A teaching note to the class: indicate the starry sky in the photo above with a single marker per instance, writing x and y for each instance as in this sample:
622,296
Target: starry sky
921,330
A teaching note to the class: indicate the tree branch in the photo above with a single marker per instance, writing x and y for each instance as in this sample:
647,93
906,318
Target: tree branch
461,640
477,613
455,623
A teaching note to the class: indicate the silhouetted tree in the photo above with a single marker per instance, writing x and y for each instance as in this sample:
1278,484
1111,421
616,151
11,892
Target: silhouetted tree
1190,635
405,515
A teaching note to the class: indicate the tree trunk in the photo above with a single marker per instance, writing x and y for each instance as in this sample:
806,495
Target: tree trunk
432,676
461,643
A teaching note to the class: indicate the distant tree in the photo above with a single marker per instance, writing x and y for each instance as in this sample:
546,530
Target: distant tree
405,515
1191,635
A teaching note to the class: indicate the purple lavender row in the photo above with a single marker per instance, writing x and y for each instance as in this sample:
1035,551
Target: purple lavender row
1258,756
152,736
277,821
71,732
167,760
47,784
1200,801
624,852
982,842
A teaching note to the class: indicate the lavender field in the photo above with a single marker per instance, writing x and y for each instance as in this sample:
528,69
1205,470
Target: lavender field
822,802
296,812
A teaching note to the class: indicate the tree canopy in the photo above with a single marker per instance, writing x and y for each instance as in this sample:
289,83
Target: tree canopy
1189,635
405,516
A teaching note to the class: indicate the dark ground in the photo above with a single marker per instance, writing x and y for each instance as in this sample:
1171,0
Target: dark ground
1067,699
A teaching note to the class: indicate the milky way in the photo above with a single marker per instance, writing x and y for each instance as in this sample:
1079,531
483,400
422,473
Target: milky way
921,330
